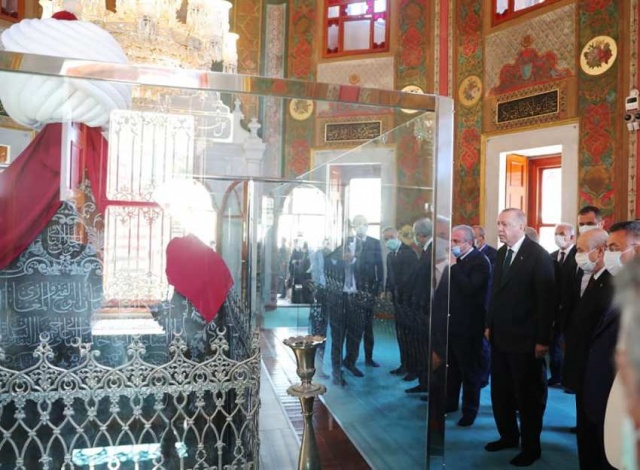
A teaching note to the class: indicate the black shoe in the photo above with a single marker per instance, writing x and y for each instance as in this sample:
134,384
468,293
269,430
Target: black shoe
416,389
399,371
569,391
424,398
410,377
500,444
525,458
371,363
466,421
573,429
339,380
354,370
553,382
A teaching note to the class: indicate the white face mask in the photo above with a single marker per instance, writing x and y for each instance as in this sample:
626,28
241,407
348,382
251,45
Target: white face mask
612,261
584,263
585,228
561,242
628,444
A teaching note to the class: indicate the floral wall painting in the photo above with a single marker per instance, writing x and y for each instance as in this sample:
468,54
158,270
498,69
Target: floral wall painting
598,55
300,109
531,67
470,91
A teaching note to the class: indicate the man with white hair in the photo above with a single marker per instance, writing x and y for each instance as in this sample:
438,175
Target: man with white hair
623,245
594,293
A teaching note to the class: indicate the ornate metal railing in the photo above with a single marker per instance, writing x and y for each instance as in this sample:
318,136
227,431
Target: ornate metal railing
184,413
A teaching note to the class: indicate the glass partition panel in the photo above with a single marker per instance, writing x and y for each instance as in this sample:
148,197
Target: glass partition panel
204,211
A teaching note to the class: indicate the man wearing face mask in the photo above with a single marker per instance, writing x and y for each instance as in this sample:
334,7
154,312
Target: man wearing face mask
470,273
564,264
594,292
589,218
401,264
623,245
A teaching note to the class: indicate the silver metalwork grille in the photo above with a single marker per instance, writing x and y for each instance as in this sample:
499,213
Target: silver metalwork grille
184,395
184,413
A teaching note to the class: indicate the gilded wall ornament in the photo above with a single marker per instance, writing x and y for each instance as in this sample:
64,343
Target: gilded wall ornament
470,91
300,109
598,55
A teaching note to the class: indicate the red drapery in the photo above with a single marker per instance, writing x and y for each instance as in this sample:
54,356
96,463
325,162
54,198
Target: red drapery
30,196
30,187
29,193
198,273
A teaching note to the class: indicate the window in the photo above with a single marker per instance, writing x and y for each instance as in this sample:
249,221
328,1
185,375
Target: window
504,10
355,27
11,10
149,156
545,186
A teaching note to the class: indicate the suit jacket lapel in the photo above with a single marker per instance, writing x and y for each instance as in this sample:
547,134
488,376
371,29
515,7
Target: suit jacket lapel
518,260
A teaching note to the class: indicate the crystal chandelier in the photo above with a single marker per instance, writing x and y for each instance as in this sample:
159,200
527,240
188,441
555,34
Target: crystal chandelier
151,32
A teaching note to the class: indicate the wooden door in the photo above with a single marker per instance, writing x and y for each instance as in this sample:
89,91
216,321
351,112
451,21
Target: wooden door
516,187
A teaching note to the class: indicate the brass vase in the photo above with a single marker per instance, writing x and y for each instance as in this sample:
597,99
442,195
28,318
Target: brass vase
304,348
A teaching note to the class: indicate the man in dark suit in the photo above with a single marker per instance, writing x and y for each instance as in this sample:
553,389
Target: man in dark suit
420,307
623,245
564,263
482,246
401,265
519,327
369,277
490,252
593,301
346,327
470,273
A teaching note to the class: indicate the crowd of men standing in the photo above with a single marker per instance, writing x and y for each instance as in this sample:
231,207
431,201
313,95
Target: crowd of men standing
503,312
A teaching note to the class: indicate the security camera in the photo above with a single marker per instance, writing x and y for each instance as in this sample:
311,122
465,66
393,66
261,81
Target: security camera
631,101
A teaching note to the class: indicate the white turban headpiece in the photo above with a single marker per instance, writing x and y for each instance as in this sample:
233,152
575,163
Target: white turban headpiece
36,100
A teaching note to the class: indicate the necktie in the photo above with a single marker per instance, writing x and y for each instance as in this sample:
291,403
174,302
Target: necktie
507,264
562,254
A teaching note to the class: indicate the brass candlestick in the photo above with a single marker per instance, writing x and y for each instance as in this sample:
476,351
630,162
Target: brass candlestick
304,348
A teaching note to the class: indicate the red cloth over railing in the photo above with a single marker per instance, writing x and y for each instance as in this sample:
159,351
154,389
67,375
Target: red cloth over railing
198,273
29,193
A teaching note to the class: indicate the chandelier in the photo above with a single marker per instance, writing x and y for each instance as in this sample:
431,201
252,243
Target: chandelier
152,32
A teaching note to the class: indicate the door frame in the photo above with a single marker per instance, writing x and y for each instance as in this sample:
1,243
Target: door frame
494,149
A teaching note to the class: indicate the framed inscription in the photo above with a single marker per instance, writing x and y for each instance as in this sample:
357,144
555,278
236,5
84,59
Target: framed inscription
528,107
352,131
